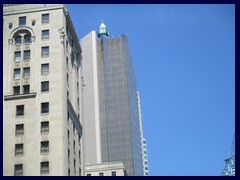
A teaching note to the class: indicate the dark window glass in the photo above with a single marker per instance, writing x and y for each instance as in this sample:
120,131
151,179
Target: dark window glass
27,55
19,130
68,155
18,40
17,56
18,149
16,90
18,170
45,18
88,174
67,79
22,20
101,174
45,86
27,39
45,51
20,110
17,74
67,62
45,147
45,69
44,127
45,107
73,145
26,72
45,34
74,164
44,167
114,173
26,89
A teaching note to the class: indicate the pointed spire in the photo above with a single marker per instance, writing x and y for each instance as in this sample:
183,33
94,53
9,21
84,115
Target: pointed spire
103,30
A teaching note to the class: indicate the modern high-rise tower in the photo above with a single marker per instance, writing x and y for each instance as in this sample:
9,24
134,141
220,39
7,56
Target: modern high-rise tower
112,128
42,77
229,169
143,140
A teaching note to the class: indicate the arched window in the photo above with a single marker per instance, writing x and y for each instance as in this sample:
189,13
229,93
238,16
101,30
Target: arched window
27,39
18,40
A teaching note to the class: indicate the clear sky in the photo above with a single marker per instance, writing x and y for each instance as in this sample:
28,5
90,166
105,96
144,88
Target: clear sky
184,64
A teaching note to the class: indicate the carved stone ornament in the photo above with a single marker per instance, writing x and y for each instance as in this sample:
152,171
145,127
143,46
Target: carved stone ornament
10,41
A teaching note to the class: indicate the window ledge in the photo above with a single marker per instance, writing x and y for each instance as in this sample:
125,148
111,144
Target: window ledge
19,96
44,133
44,114
44,153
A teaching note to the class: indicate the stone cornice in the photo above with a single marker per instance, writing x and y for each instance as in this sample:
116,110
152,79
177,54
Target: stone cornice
19,96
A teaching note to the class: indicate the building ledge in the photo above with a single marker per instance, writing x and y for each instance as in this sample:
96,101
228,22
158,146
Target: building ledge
19,96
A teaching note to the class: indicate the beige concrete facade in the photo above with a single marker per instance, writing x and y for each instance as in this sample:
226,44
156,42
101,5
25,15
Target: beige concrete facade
28,84
91,121
105,169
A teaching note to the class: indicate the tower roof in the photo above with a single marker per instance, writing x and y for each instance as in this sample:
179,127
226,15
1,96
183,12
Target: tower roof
103,31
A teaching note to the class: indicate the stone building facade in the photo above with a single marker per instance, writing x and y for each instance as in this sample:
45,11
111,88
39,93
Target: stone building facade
42,87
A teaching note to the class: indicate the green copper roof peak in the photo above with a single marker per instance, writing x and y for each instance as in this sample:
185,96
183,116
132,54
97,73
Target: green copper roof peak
103,31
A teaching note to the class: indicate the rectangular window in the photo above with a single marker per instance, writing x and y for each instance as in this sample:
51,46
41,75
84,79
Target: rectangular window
68,135
67,62
68,117
44,167
67,45
45,34
27,55
17,73
73,128
26,72
18,149
88,174
67,94
114,173
74,146
77,87
68,155
45,86
26,89
101,174
17,56
80,172
78,102
19,131
45,18
18,169
45,51
67,79
45,127
22,20
45,147
45,107
68,172
20,110
16,90
44,69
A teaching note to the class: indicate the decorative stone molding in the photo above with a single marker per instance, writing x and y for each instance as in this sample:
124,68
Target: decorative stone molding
33,38
10,41
62,34
20,96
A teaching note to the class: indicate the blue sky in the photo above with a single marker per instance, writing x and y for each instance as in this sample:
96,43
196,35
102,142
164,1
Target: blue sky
184,59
